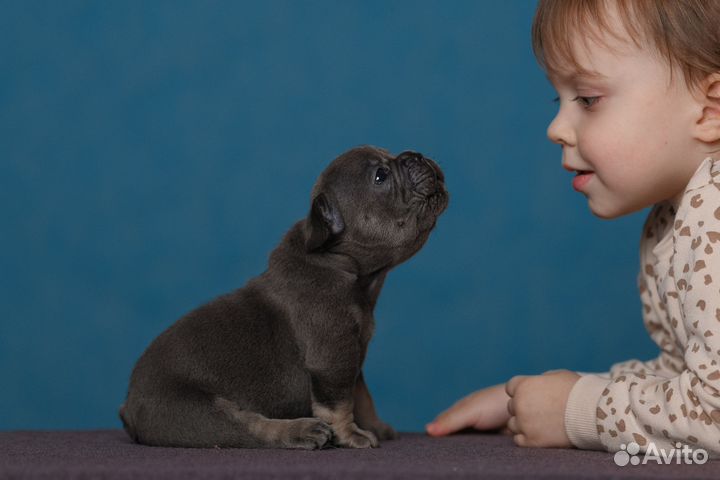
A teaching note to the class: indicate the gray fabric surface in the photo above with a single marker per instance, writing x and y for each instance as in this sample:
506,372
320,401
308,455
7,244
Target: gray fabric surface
111,454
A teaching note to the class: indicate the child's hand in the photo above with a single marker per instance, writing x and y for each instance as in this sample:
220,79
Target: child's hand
484,409
537,408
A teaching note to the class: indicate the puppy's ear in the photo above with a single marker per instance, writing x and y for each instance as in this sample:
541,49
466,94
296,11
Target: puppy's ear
324,220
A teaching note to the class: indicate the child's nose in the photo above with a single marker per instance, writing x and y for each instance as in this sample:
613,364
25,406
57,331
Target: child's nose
560,131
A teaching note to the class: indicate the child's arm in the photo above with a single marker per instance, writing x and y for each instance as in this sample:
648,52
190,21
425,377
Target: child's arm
664,365
486,409
670,362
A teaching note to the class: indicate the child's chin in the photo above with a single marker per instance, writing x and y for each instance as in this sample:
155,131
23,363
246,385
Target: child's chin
605,212
610,212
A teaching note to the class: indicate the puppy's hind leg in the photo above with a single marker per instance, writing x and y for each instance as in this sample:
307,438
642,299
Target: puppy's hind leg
300,433
199,420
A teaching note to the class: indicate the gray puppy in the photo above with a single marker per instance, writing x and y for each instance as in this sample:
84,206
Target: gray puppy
278,362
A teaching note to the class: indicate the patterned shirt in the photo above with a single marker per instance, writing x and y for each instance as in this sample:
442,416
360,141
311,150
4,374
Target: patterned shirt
674,397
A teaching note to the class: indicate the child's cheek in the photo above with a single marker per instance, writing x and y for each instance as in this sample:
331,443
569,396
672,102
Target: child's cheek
595,148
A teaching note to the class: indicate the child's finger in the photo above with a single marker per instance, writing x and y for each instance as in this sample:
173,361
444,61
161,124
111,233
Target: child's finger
511,407
520,440
513,426
449,421
485,409
512,384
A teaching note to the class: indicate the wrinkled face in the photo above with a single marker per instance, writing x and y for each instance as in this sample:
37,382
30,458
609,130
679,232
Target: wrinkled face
376,207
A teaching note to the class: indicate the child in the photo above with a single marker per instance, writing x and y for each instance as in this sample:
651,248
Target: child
639,121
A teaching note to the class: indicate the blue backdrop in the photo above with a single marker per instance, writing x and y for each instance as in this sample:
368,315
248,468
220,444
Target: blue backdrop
152,154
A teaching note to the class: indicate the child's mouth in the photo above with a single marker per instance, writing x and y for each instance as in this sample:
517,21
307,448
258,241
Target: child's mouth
581,179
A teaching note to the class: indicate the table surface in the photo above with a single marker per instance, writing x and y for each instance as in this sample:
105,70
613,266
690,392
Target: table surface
111,454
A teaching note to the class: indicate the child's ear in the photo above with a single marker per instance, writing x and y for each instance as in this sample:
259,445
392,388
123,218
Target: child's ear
707,128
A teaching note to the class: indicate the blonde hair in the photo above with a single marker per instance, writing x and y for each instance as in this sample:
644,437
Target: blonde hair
686,33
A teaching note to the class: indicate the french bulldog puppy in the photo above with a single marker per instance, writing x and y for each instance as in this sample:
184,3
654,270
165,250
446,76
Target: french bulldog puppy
278,362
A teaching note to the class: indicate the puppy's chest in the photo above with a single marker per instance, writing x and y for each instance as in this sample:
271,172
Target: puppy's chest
365,321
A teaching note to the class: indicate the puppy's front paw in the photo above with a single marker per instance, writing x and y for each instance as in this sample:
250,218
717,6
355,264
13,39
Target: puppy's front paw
383,431
354,437
308,434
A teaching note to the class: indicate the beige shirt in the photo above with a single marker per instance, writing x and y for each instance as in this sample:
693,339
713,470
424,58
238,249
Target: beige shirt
676,396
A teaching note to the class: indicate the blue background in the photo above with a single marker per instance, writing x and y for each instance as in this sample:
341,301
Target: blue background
152,154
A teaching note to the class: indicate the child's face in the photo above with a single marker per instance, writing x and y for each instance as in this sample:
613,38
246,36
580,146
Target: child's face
630,128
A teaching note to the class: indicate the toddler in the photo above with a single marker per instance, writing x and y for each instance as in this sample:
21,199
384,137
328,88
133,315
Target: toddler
639,125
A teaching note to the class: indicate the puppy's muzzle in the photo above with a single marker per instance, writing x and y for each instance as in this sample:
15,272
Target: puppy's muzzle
424,175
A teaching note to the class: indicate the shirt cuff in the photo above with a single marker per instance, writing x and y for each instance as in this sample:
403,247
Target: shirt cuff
581,412
599,374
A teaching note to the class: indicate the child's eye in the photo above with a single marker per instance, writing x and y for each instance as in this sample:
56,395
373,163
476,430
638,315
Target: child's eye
586,102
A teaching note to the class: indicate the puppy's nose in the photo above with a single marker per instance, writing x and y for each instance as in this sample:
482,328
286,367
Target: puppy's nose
410,159
436,168
409,156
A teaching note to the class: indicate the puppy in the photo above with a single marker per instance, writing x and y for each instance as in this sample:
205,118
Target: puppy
278,362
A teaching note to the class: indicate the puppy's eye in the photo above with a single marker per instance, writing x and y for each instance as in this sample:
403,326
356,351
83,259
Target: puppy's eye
380,175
